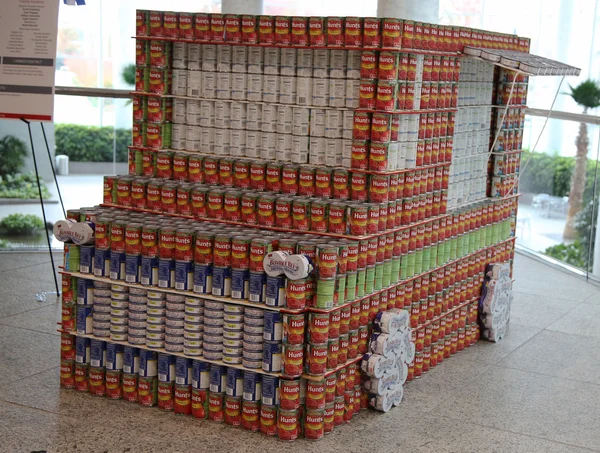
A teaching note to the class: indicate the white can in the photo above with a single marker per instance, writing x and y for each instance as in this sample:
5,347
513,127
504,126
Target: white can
239,59
304,63
224,85
285,115
333,124
271,88
320,92
300,121
269,118
317,122
337,92
353,64
347,124
268,145
222,114
300,145
316,152
223,58
255,87
222,138
178,132
194,57
252,143
338,61
304,90
209,57
256,56
288,61
333,151
352,93
180,51
272,60
346,149
253,116
237,142
207,140
284,148
209,85
239,86
321,63
179,111
238,115
192,112
194,84
179,83
287,90
393,155
192,138
207,113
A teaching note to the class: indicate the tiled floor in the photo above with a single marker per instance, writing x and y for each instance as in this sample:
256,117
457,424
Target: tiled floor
536,391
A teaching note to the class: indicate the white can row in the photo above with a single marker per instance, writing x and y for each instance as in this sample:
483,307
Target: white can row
472,118
471,143
276,89
460,194
475,93
472,70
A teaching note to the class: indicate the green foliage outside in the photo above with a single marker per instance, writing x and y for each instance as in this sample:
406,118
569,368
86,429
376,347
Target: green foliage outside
22,186
91,143
574,254
128,74
12,155
15,224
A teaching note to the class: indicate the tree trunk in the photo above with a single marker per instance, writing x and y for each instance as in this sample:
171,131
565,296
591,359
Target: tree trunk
577,183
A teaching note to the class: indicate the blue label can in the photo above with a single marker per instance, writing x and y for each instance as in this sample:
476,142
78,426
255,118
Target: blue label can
102,263
221,284
183,371
166,367
117,265
257,287
149,271
275,296
203,274
133,268
131,360
166,273
85,291
86,259
200,374
184,275
148,363
272,356
218,378
273,328
235,382
270,390
252,386
84,319
98,353
240,283
114,357
82,350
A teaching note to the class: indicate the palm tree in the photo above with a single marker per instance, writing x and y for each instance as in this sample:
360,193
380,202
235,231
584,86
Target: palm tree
586,95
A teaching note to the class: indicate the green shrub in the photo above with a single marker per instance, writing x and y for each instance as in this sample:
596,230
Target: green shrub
12,155
22,186
574,254
21,224
91,143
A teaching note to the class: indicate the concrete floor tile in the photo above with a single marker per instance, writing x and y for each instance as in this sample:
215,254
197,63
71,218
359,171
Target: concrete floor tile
42,319
582,320
538,311
39,272
594,299
15,260
532,404
558,354
19,295
488,352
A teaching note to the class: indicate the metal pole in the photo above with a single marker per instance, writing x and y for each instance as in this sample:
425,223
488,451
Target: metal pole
53,170
37,175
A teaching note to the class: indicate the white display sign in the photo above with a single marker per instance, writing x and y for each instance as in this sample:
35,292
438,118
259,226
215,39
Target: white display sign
28,32
496,302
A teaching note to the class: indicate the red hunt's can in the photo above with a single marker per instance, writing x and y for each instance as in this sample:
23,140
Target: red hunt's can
283,30
386,95
156,23
289,179
215,407
379,188
299,31
186,26
288,425
217,27
388,66
268,420
273,178
371,32
241,174
233,411
318,216
408,34
306,182
142,22
170,25
391,33
359,154
251,416
164,165
341,190
283,213
233,28
418,35
249,30
368,65
366,95
335,31
301,214
180,167
202,27
232,206
226,172
198,202
358,187
266,210
323,187
337,218
199,403
381,130
257,176
353,35
361,126
266,30
316,30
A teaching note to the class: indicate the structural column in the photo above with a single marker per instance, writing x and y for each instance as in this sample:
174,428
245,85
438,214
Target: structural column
419,10
242,7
